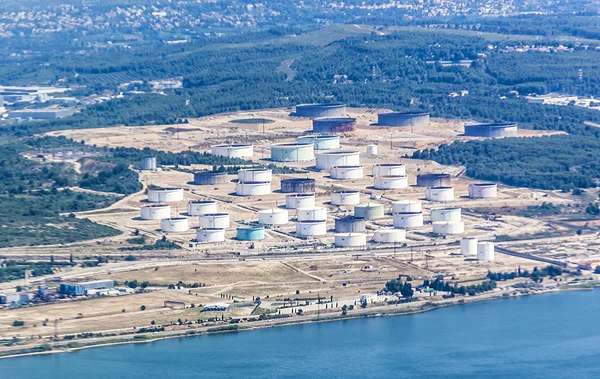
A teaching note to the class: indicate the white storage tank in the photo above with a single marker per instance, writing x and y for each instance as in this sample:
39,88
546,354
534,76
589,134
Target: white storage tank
345,197
201,207
468,246
372,150
275,216
174,225
253,188
390,182
165,195
233,150
311,228
327,160
346,172
389,169
214,221
406,206
483,190
314,213
408,220
448,227
446,214
439,193
210,235
485,251
250,175
389,235
350,239
300,200
155,212
148,163
292,152
369,211
321,141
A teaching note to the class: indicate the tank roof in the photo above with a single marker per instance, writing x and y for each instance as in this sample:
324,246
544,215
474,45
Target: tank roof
215,214
320,136
301,195
291,144
156,206
321,105
202,201
233,145
388,164
484,184
297,180
250,227
441,187
346,191
339,152
255,182
165,189
335,119
415,113
175,218
346,167
433,175
494,125
392,176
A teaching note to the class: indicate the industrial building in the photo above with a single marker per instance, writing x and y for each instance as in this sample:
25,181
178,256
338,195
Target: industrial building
390,182
434,180
327,160
350,239
174,225
214,221
298,185
148,163
350,224
41,114
165,195
321,141
201,207
300,200
389,169
233,150
345,197
82,287
439,193
410,119
273,217
155,212
483,190
250,233
333,125
408,220
210,235
204,178
317,110
369,211
292,152
491,130
389,235
246,175
346,172
253,188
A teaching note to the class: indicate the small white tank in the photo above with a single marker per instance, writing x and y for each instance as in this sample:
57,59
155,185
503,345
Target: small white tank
446,214
389,169
148,163
468,246
253,188
165,195
210,235
345,197
275,216
346,172
439,193
448,227
390,182
408,220
311,228
389,235
372,150
174,225
485,251
214,221
350,239
483,190
249,175
155,212
201,207
314,213
406,206
300,200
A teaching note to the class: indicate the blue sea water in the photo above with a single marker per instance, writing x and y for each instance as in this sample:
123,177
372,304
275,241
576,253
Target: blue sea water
544,336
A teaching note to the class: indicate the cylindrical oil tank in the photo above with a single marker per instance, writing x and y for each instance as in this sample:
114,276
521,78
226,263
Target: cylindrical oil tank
314,213
250,233
329,159
408,220
346,172
320,110
233,150
446,214
372,150
155,212
483,190
390,182
389,169
321,141
292,152
389,235
201,207
350,239
468,246
311,228
246,175
370,211
485,251
345,197
333,125
148,163
300,200
253,188
214,221
160,195
418,119
434,180
174,225
448,227
210,235
439,193
299,185
275,216
204,178
350,224
406,206
492,130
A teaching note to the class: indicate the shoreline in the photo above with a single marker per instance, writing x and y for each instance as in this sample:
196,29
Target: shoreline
382,311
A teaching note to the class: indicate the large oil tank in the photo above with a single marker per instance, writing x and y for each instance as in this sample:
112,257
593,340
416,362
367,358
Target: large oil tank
148,163
204,178
300,200
439,193
155,212
389,169
483,190
408,220
346,172
292,152
448,227
389,235
370,211
416,119
316,110
350,239
468,246
251,233
333,125
246,175
165,195
233,150
321,141
390,182
492,130
349,224
310,228
446,214
253,188
299,185
485,251
201,207
434,180
214,221
345,197
406,206
174,225
314,213
329,159
274,217
210,235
